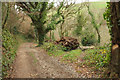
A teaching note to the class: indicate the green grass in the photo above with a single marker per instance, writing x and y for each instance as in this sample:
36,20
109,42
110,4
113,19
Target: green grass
98,5
72,55
52,49
57,50
56,53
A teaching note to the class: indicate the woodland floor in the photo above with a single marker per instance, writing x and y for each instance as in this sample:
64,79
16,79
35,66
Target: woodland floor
34,62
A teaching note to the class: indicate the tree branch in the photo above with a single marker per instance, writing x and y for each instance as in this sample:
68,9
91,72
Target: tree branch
32,5
23,6
36,3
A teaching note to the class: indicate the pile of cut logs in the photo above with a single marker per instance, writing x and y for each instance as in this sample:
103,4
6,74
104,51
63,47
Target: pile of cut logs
68,42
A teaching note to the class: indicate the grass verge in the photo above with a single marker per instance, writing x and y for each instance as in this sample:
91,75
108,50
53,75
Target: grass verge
57,50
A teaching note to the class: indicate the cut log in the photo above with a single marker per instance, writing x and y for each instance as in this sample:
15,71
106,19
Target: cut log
68,42
86,47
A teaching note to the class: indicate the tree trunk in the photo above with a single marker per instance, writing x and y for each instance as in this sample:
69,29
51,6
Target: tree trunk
40,33
94,24
6,17
40,36
98,35
62,33
115,56
50,35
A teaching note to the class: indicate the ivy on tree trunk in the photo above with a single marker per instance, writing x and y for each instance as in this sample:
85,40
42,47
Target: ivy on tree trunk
6,16
115,56
94,24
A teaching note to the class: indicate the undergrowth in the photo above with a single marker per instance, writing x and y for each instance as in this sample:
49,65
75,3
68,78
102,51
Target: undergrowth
9,47
99,57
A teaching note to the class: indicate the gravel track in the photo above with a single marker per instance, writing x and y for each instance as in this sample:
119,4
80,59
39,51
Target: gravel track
34,62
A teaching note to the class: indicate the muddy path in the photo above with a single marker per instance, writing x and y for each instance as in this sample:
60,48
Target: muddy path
34,62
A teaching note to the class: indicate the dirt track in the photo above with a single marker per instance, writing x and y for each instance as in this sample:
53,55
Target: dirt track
32,62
